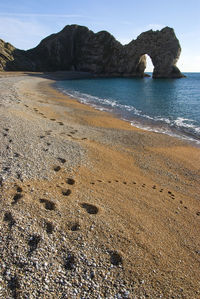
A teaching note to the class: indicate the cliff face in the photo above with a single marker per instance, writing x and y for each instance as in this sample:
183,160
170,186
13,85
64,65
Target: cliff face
78,48
12,59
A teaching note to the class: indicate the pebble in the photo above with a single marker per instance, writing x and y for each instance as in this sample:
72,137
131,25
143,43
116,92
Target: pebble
41,272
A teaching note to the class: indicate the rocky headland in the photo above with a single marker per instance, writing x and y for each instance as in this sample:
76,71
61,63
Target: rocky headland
76,48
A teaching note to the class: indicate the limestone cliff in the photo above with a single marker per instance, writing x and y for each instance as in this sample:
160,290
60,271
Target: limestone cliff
78,48
12,59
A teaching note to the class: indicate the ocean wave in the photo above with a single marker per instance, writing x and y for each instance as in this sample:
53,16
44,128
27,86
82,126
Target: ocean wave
166,131
187,123
157,124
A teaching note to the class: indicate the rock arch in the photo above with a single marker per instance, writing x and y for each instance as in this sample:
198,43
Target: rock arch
163,48
78,48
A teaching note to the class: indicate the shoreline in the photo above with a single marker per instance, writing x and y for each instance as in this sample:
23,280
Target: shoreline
140,121
127,222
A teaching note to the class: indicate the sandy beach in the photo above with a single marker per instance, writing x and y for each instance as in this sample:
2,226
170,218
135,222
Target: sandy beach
92,207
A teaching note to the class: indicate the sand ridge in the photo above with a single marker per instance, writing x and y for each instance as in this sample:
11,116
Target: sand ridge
112,213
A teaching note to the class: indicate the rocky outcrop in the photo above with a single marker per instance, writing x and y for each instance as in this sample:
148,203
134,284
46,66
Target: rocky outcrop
79,49
162,46
12,59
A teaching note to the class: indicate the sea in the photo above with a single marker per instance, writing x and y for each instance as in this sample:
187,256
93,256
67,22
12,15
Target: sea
168,106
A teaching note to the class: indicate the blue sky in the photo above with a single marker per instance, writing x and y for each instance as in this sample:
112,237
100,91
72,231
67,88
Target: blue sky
24,23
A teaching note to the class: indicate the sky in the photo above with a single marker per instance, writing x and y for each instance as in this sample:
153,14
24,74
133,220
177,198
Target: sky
23,23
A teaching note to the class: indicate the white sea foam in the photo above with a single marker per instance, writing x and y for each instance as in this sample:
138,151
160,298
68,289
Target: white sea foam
105,104
163,130
186,123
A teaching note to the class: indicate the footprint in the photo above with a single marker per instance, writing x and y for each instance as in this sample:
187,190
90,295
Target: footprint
143,185
84,138
19,189
16,155
198,213
48,132
66,192
45,149
6,129
70,262
33,242
49,205
75,227
60,123
62,160
57,168
16,198
49,227
53,119
70,181
171,194
116,181
48,144
9,218
124,183
154,187
14,286
161,190
100,181
91,209
42,136
115,258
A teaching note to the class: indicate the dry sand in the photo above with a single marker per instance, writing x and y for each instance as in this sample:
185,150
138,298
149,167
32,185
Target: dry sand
127,223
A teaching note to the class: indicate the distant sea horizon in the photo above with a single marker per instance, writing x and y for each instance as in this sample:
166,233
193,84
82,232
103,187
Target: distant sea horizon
169,106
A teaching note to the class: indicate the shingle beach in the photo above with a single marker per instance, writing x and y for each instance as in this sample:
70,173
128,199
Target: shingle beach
91,207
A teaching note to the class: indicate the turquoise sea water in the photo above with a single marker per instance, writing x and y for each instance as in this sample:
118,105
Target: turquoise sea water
170,106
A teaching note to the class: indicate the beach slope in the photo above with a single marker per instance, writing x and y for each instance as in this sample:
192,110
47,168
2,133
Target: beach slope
91,207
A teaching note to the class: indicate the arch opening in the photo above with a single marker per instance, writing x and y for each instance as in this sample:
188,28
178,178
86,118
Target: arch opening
145,66
149,65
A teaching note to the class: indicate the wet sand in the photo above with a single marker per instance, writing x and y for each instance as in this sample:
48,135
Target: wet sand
127,224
